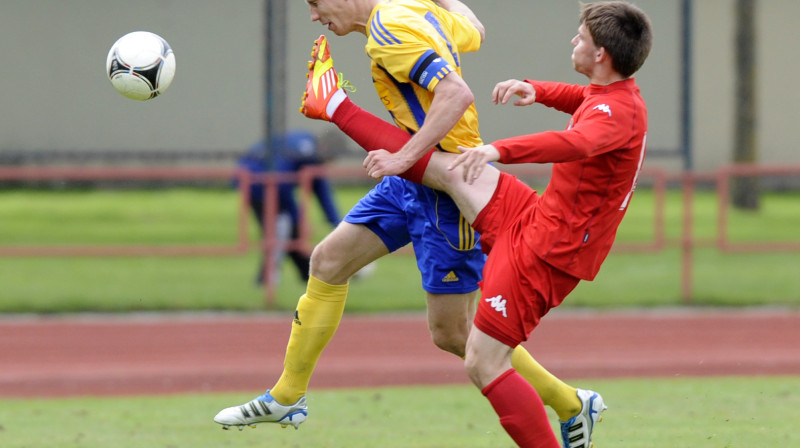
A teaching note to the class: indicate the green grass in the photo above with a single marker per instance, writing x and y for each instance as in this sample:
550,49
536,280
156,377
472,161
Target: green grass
198,216
728,412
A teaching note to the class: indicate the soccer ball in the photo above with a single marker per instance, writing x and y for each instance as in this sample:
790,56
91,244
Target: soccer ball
140,65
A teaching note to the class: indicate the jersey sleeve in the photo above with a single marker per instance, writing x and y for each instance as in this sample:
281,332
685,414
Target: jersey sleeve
596,131
467,38
558,95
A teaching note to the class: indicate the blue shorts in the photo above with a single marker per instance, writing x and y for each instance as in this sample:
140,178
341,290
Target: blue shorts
448,250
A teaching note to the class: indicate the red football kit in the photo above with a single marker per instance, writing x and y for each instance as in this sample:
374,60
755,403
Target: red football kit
540,246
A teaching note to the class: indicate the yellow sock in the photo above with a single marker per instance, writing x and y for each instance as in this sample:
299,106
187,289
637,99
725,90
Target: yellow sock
560,396
318,314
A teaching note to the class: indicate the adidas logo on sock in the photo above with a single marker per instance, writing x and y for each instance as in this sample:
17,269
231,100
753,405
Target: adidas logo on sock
450,277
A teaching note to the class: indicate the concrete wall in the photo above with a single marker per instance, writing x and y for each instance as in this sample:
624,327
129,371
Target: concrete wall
55,95
776,76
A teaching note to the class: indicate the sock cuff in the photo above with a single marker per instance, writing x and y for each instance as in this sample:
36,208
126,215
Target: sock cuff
488,389
336,100
320,290
417,171
343,111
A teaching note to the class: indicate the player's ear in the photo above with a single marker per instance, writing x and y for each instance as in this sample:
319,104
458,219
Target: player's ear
601,55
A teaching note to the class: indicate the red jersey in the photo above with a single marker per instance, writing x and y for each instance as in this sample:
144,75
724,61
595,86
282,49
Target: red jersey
596,163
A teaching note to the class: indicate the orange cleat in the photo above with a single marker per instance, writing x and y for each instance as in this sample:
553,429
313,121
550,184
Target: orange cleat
323,82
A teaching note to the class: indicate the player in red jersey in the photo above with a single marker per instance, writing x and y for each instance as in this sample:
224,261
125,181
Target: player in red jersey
539,246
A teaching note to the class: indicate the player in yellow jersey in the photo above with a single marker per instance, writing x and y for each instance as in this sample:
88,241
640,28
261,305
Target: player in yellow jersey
409,61
415,49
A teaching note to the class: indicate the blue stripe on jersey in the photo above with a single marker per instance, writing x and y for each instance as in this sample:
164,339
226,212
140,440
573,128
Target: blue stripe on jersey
407,90
410,98
431,18
380,33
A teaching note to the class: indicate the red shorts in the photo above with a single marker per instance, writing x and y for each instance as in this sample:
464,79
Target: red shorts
518,288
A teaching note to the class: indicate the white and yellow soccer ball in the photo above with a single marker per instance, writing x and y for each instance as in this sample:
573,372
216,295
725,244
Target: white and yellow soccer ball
140,65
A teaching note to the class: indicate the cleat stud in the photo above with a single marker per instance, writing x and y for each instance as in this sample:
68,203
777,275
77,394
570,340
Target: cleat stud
225,427
241,427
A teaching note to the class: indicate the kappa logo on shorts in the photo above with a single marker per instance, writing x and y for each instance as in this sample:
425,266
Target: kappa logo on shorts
498,303
450,277
297,318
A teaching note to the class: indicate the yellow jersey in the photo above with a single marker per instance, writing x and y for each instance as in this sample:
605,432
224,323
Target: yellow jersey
413,44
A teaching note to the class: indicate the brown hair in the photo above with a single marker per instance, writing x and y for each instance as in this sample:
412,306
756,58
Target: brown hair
622,29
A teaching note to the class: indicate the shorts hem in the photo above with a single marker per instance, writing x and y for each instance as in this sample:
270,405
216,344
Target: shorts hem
490,330
390,243
439,290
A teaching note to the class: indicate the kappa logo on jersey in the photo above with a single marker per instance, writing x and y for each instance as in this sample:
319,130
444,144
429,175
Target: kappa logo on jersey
498,303
450,277
603,108
297,318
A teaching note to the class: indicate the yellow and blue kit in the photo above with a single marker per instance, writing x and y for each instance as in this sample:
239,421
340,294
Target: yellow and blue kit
413,44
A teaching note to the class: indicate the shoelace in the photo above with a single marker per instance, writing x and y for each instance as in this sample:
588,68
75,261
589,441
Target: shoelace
345,84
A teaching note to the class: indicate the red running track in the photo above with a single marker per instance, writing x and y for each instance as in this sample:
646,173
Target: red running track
151,354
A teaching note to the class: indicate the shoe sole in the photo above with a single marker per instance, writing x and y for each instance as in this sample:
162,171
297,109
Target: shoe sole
294,419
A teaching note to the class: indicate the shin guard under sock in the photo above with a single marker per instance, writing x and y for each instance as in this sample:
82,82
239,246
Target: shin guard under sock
371,133
318,314
521,411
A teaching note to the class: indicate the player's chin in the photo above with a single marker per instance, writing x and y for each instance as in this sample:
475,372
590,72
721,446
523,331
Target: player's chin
336,30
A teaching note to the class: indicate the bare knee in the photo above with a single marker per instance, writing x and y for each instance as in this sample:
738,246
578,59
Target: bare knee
451,340
449,321
327,264
344,251
486,358
473,368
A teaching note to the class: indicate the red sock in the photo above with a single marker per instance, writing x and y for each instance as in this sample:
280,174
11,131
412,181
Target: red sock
371,133
521,411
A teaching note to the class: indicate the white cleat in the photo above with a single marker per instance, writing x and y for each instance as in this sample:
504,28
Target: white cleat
577,431
263,409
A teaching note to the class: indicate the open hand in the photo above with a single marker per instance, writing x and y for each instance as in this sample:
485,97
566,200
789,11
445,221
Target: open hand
474,160
503,92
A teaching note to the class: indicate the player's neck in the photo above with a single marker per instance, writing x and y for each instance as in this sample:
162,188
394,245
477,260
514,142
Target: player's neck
364,12
604,75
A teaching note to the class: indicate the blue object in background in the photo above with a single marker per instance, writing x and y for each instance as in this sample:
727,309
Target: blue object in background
290,153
